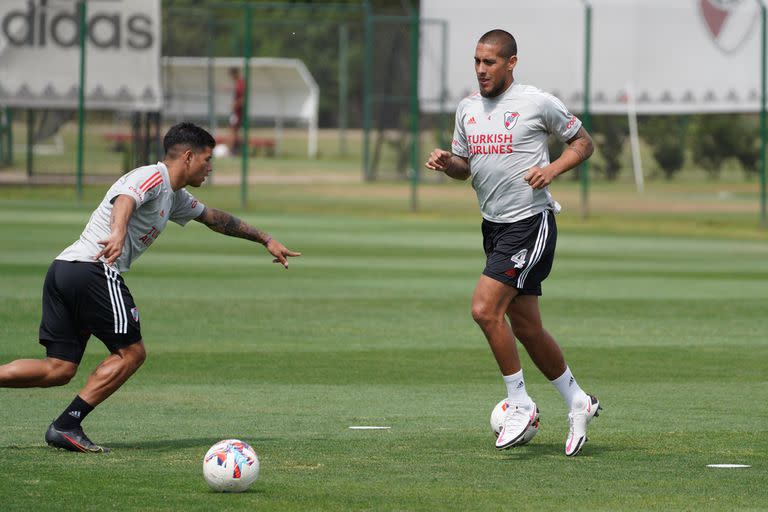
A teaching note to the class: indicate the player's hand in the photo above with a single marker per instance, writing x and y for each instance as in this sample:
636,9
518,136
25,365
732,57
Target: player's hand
537,177
280,252
113,248
439,160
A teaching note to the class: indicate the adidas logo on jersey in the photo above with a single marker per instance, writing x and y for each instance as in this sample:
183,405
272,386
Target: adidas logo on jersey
471,120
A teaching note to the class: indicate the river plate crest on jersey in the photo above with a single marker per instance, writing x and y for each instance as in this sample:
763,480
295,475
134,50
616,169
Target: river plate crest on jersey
510,119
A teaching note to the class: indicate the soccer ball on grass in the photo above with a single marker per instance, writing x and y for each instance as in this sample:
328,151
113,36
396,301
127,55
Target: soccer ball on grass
230,466
497,418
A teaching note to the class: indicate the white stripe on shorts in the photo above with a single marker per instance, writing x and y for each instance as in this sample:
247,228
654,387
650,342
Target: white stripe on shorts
538,249
121,310
116,298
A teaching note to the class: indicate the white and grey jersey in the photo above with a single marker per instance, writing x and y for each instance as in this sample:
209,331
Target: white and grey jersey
156,204
503,137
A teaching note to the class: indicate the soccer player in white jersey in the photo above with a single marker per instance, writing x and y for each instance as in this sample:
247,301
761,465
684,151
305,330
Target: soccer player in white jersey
84,293
500,142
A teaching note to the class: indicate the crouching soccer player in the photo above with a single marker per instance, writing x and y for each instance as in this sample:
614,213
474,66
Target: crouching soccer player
84,293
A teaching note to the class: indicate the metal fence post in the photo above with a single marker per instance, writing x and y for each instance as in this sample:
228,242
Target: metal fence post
763,128
367,88
343,86
586,116
246,114
81,101
415,165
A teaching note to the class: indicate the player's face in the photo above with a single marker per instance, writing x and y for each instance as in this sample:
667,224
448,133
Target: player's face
494,72
199,166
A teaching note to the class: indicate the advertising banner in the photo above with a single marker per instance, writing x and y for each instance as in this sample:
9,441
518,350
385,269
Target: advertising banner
669,56
40,54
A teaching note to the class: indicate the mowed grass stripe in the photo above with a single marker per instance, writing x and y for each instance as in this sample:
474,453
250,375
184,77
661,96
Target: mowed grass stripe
372,326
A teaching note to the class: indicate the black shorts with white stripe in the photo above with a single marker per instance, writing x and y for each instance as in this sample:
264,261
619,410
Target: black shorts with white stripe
81,299
520,254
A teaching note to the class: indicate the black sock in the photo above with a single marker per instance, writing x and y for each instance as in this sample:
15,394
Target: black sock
73,415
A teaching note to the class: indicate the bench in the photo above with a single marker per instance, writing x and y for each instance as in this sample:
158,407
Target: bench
265,144
120,141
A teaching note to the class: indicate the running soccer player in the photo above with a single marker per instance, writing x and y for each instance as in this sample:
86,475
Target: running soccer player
84,293
500,141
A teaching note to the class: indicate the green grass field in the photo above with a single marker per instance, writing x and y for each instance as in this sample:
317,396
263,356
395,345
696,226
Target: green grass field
662,315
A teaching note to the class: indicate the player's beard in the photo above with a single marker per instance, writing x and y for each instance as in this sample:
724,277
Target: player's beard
498,88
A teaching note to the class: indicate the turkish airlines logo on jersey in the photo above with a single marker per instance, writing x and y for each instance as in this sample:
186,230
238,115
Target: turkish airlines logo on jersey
729,22
510,119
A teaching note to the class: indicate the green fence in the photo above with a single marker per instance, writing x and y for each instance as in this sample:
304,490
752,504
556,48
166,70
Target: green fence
6,137
375,125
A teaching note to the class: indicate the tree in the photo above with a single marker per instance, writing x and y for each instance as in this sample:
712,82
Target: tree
721,136
610,133
666,136
748,152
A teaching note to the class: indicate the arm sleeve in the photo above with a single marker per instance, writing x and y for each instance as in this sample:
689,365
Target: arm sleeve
557,119
142,184
459,144
185,207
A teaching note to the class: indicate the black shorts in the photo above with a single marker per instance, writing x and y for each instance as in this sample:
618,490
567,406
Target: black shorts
520,254
81,299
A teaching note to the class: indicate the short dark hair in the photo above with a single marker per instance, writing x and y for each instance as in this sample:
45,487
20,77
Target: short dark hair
502,38
187,134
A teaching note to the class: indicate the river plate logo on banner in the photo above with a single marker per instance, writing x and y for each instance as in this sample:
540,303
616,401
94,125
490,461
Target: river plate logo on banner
729,22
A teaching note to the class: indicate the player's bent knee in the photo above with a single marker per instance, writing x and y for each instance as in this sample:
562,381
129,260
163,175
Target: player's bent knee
134,353
60,372
482,314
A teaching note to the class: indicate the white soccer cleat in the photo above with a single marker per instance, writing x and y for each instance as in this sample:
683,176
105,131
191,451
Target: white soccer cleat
578,419
519,426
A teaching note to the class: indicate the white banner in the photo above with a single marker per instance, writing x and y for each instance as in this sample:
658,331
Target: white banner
678,56
40,54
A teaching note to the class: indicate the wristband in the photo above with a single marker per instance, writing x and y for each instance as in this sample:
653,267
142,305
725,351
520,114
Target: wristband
266,241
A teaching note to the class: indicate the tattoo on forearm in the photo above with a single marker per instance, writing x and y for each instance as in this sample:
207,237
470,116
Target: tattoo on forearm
578,151
227,224
582,147
232,226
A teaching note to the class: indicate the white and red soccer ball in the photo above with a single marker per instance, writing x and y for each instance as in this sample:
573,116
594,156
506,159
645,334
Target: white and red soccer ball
230,466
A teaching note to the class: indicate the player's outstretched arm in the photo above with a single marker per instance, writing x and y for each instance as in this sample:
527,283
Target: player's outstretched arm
122,208
456,167
227,224
580,147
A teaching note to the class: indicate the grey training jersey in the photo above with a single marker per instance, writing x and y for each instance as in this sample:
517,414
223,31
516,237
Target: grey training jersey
505,136
156,204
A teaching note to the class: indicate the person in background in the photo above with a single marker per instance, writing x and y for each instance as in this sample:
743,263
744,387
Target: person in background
236,115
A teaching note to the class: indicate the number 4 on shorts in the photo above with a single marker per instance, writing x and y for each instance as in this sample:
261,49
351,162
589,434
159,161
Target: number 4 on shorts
519,258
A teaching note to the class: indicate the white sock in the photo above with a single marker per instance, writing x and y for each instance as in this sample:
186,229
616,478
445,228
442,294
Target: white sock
568,387
516,393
